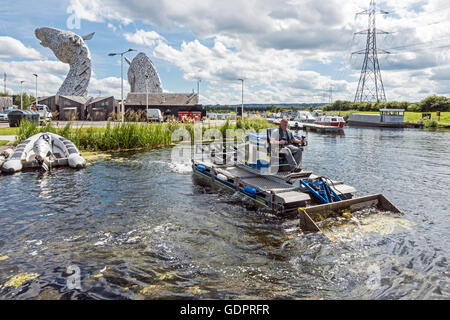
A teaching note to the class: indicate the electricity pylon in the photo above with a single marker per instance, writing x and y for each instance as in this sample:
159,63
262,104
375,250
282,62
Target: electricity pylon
370,86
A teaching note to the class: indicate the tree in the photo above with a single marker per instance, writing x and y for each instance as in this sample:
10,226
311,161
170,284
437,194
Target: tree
435,103
27,100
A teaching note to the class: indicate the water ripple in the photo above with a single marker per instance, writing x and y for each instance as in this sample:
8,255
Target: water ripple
136,226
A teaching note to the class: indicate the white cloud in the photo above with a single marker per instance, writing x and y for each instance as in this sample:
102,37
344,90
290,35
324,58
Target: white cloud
145,38
277,45
112,27
284,49
13,48
109,86
270,75
51,75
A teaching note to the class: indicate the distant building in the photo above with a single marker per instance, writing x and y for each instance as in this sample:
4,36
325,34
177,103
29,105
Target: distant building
72,107
80,108
101,108
170,104
5,102
50,102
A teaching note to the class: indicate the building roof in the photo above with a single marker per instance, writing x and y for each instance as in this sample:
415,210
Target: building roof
98,99
79,99
392,110
44,98
162,99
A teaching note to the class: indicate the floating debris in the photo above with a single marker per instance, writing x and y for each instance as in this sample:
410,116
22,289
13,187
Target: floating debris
19,279
360,224
196,290
94,156
347,214
3,258
100,274
385,225
167,276
152,289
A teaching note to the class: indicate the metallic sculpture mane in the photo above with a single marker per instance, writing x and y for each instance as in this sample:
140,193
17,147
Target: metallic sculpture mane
142,75
69,48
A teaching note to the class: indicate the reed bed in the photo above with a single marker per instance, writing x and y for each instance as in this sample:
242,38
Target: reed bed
128,135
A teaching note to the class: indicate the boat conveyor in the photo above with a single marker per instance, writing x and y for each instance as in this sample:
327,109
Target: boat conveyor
281,192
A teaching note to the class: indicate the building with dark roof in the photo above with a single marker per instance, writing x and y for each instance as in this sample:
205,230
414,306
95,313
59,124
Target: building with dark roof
169,103
72,107
101,108
80,108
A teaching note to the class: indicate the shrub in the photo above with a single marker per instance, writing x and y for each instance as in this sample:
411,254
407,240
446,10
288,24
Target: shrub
430,124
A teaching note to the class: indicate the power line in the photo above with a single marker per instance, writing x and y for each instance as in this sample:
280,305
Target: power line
370,86
426,49
419,44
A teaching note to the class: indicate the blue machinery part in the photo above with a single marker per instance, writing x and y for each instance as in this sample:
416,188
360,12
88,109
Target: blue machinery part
324,193
250,190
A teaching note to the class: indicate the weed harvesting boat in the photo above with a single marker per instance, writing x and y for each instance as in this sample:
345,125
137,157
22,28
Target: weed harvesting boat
263,175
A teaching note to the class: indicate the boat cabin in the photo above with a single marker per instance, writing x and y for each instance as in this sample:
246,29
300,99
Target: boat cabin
394,116
388,118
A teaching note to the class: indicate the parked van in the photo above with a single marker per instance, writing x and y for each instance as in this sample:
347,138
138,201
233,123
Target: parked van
43,111
154,115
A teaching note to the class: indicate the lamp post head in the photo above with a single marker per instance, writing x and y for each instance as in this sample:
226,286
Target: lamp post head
34,74
112,54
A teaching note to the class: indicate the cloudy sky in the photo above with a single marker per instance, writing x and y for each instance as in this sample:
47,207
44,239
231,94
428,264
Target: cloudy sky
288,51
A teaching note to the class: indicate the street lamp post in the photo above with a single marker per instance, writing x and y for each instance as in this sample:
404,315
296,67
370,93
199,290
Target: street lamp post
121,66
36,89
146,90
21,94
198,89
242,106
198,94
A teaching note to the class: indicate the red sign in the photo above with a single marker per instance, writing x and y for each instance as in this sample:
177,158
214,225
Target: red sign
184,115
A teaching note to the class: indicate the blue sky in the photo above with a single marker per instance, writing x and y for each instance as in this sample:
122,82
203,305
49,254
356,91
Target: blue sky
289,51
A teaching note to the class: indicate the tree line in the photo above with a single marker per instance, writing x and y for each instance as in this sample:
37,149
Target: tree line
430,104
27,99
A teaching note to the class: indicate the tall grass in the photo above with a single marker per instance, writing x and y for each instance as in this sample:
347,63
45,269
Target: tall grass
430,124
127,135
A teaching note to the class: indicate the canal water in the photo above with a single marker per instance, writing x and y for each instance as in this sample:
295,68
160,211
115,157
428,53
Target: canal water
136,226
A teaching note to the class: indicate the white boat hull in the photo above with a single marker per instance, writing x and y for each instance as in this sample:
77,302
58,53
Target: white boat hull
44,150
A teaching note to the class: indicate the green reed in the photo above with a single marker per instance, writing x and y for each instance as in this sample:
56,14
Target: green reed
128,135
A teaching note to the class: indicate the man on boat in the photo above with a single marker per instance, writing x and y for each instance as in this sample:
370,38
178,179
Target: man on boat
286,140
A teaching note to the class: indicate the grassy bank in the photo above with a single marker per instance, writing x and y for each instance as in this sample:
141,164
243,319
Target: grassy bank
9,131
3,143
129,135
